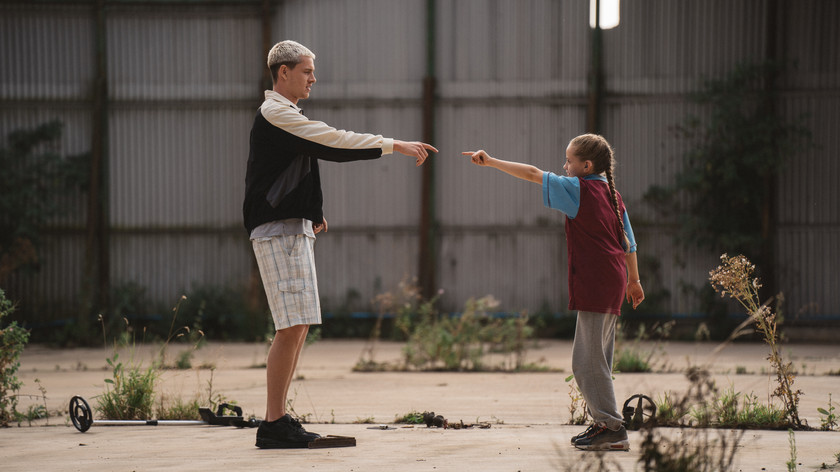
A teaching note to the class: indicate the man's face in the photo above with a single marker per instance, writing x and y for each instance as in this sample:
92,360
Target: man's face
297,82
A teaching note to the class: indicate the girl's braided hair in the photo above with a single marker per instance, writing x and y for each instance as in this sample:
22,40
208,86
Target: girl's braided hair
593,147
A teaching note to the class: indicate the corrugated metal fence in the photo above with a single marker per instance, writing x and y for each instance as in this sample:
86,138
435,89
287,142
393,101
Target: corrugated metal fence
185,79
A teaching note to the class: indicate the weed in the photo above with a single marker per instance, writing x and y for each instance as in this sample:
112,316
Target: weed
444,342
634,357
828,421
412,417
692,449
734,277
184,361
130,392
578,413
290,408
410,307
13,338
178,408
35,412
460,343
734,410
668,412
367,420
629,360
791,464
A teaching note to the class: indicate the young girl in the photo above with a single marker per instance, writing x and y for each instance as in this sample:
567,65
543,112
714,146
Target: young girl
602,269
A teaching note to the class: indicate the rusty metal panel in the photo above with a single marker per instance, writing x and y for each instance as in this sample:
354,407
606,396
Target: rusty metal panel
184,84
174,166
809,36
536,134
525,271
664,47
384,192
360,264
184,53
808,258
370,48
46,52
169,264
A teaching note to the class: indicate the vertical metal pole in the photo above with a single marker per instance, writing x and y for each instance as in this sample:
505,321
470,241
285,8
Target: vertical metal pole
256,299
596,76
428,225
267,14
769,208
96,284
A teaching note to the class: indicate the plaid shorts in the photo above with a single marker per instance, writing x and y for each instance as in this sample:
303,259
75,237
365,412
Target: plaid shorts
287,269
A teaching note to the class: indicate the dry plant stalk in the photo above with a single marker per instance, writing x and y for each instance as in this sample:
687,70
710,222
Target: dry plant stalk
735,277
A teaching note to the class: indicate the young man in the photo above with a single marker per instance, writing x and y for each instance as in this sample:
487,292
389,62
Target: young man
283,213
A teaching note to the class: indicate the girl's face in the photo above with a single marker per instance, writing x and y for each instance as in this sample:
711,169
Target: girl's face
574,166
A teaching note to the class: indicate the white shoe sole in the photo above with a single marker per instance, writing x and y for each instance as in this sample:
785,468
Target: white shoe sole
607,446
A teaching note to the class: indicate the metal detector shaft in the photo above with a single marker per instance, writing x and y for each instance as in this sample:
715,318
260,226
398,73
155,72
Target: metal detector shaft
147,422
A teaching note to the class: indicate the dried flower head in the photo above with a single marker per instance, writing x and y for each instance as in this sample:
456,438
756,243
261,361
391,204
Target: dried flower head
734,276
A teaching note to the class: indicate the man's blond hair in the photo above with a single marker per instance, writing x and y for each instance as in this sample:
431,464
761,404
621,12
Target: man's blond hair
288,53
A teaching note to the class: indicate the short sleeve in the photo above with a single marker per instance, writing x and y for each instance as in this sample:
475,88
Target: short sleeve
629,230
561,193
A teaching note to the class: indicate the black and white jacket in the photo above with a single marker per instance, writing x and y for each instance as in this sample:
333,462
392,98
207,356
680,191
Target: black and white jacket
282,180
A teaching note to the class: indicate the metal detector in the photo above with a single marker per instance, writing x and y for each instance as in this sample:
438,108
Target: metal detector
642,415
82,418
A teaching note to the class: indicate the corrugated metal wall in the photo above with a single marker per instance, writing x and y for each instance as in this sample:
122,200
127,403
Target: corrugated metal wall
184,82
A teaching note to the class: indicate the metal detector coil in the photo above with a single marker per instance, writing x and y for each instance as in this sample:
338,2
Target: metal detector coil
642,415
80,413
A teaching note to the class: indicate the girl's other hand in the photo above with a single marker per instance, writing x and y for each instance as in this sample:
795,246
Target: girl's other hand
635,293
478,157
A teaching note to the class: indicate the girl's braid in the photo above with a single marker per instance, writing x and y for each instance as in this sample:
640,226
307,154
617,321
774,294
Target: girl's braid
595,148
614,199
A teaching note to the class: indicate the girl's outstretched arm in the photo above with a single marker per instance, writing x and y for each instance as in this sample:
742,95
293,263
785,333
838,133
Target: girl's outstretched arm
516,169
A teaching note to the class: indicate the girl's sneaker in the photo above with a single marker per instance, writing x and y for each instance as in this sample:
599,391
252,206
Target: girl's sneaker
583,434
601,438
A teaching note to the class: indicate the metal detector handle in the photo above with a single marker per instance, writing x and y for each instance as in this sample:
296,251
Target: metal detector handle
237,410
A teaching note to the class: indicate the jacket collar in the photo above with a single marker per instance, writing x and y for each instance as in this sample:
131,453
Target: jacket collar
272,95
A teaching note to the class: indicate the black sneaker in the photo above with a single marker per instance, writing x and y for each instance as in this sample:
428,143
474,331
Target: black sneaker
283,433
601,438
583,434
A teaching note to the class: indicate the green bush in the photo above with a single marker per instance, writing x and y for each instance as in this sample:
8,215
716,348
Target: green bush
13,338
34,184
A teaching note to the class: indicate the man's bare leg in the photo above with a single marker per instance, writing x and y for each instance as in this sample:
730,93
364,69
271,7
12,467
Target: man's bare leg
280,368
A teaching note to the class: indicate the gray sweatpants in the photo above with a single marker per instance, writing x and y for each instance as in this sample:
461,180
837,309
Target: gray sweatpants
592,358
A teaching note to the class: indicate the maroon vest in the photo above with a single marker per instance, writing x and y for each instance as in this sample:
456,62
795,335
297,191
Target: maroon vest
597,266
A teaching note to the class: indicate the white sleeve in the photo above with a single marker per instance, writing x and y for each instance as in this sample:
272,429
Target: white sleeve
289,120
